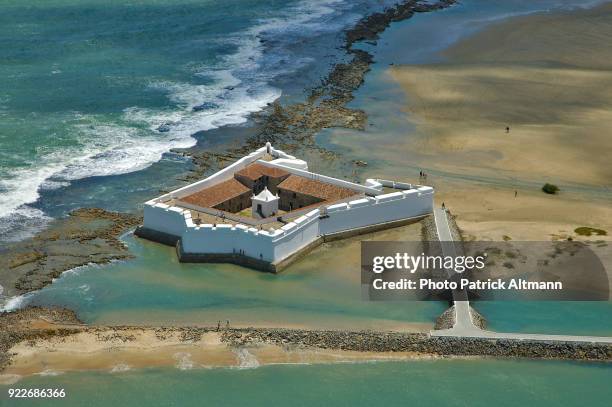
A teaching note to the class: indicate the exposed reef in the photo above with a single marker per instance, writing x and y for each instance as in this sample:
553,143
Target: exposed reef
86,236
33,323
90,235
293,126
38,328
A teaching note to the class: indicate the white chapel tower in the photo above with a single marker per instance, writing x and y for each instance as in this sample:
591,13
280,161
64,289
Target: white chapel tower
264,204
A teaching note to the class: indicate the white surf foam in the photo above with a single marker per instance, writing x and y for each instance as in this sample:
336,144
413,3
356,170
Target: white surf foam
50,372
21,186
14,303
239,87
246,360
120,368
184,361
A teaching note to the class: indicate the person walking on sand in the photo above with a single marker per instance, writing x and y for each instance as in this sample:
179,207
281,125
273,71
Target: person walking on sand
507,129
443,207
515,193
218,325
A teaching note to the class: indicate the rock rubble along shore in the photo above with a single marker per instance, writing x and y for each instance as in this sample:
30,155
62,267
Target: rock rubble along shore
85,236
35,325
446,320
370,341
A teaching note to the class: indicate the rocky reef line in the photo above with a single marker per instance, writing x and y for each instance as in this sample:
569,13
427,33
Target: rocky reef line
87,235
33,325
372,341
293,127
90,235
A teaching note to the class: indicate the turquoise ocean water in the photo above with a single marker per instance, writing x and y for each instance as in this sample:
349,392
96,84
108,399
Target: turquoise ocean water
322,291
423,38
85,86
423,383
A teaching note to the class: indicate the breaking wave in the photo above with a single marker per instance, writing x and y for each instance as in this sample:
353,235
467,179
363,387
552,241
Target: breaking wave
246,360
13,303
239,84
183,361
120,368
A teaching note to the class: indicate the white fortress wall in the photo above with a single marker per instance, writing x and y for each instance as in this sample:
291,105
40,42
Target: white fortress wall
156,213
269,246
352,215
277,245
220,176
281,243
298,164
390,184
380,209
373,183
277,153
164,218
227,239
324,178
227,172
297,235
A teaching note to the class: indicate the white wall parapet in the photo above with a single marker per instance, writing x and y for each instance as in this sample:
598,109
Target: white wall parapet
275,245
324,178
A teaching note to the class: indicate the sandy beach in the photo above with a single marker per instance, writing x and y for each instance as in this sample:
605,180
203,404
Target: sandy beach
134,348
54,341
553,91
548,78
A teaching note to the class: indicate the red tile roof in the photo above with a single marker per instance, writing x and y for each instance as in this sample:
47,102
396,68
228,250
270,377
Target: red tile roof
318,189
216,194
255,171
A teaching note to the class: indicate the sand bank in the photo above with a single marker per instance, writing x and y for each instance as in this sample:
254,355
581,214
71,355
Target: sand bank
53,348
48,342
549,78
119,350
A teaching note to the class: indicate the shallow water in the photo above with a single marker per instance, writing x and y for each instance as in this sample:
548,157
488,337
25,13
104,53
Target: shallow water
420,41
86,85
420,383
88,103
322,290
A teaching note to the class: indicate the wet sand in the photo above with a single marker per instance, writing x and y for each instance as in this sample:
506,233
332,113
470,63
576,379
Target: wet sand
53,343
559,120
549,78
110,351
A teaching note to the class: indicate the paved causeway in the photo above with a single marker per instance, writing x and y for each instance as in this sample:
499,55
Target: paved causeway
464,325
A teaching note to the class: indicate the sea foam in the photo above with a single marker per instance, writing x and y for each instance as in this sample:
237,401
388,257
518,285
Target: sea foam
14,303
246,360
239,86
184,361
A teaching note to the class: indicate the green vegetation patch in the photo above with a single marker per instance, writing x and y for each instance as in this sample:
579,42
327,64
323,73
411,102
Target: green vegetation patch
587,231
550,188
